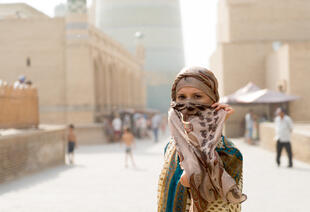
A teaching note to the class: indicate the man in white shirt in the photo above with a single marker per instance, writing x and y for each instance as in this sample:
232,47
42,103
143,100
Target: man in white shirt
249,124
283,127
156,120
117,127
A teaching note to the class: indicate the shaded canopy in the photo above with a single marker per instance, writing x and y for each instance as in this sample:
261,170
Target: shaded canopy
249,88
265,96
252,94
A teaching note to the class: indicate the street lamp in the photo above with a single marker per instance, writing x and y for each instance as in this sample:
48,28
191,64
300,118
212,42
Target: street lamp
139,45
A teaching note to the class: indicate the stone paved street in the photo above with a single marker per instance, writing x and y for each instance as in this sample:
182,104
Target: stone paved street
99,182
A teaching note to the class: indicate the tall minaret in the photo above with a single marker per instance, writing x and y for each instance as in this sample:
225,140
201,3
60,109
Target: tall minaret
77,6
76,20
79,75
160,23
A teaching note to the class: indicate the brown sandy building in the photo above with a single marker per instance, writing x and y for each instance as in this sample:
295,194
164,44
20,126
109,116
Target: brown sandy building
81,73
266,42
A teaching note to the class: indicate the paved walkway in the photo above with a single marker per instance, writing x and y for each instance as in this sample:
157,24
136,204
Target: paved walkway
99,182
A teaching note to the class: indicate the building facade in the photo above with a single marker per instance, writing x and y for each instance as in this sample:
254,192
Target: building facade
81,73
266,42
160,24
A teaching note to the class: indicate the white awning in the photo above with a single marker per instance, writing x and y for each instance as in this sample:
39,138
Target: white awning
265,96
249,88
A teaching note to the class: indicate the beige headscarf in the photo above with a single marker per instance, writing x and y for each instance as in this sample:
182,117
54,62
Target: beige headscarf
196,138
197,77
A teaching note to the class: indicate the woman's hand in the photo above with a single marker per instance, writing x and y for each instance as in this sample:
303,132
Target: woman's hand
225,107
184,180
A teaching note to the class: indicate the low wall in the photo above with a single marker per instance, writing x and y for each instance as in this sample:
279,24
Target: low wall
31,151
300,140
18,107
90,134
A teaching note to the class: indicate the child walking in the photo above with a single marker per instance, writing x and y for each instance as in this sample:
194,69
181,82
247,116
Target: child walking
71,143
129,141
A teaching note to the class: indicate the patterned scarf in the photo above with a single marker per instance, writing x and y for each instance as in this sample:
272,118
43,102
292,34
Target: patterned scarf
173,197
197,129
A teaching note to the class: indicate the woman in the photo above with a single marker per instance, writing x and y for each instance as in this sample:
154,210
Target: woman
202,170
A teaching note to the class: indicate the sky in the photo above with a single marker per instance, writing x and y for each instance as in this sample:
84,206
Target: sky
199,19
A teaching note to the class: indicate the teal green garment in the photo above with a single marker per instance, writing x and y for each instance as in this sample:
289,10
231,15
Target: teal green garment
178,194
176,190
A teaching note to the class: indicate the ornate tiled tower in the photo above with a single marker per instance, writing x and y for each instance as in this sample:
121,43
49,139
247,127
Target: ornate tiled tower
160,23
79,79
77,6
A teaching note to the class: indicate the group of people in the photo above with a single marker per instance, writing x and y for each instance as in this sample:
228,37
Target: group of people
124,129
252,121
22,82
132,126
251,127
139,124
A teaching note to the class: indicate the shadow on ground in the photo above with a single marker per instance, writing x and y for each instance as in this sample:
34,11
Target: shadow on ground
142,147
35,178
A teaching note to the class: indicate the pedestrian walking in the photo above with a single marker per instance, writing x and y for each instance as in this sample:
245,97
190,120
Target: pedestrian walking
72,143
108,129
143,127
202,171
284,127
127,121
117,127
163,125
129,141
255,132
156,121
249,125
136,123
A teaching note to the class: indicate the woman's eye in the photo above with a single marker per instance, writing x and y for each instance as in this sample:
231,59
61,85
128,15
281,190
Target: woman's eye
181,97
197,96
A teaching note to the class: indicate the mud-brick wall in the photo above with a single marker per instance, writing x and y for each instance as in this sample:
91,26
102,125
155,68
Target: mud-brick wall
30,152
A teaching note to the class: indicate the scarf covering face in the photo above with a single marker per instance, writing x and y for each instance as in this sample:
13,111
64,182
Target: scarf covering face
197,129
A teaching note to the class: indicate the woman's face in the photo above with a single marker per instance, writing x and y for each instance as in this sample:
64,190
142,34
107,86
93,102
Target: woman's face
193,94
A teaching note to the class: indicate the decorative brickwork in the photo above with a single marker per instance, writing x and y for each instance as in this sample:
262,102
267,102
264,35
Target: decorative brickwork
77,6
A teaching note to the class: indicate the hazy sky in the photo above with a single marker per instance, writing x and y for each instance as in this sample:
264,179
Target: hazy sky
199,26
199,30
